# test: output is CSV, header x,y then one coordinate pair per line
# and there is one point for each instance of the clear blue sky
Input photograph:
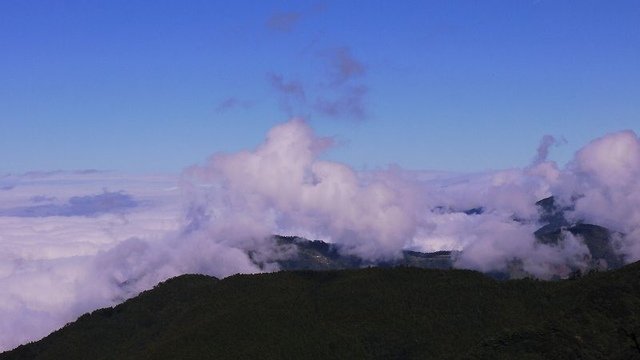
x,y
450,85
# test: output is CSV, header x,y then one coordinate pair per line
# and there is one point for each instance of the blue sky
x,y
145,86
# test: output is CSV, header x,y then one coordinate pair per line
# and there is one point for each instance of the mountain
x,y
598,239
303,254
371,313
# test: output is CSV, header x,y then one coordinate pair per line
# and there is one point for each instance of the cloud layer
x,y
72,242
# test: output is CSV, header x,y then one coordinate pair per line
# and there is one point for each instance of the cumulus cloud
x,y
611,161
603,180
282,186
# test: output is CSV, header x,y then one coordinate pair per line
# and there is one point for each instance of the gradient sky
x,y
145,86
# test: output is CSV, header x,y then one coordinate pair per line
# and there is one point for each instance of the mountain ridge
x,y
304,254
370,313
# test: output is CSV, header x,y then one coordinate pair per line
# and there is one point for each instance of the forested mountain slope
x,y
375,313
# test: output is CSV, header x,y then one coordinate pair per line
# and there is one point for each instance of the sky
x,y
461,86
142,140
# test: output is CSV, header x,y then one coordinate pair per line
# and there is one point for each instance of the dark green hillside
x,y
372,313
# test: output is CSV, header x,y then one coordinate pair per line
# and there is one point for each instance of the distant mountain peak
x,y
598,239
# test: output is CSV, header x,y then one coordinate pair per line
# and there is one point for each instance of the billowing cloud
x,y
603,180
283,186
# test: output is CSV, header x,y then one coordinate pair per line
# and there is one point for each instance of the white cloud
x,y
53,268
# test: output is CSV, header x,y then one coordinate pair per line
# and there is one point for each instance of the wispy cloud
x,y
231,103
344,95
291,87
343,66
291,93
340,94
283,21
546,143
349,103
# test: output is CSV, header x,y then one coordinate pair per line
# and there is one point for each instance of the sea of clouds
x,y
74,242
